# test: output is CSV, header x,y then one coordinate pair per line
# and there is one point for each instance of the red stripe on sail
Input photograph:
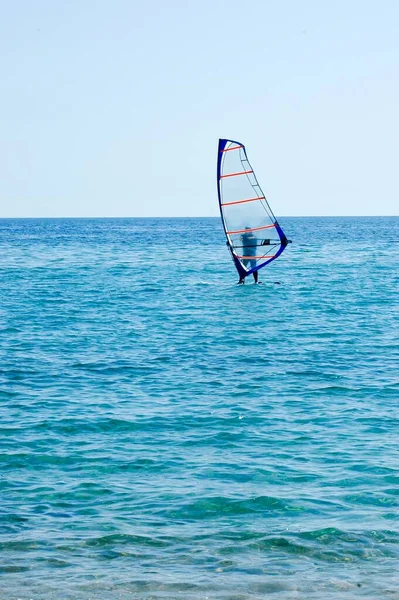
x,y
232,148
255,257
241,201
249,229
235,174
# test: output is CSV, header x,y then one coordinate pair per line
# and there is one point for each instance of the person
x,y
249,245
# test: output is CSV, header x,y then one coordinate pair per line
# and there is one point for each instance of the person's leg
x,y
242,279
256,276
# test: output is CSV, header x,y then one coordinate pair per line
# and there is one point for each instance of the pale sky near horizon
x,y
115,108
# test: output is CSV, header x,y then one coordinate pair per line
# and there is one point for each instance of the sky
x,y
114,109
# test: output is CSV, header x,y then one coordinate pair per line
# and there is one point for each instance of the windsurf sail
x,y
254,236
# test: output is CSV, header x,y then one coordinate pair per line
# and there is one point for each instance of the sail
x,y
253,234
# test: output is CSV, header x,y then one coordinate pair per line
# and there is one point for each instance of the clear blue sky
x,y
114,108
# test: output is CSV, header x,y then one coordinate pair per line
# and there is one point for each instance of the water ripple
x,y
168,434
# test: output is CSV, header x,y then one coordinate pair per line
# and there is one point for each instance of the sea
x,y
168,434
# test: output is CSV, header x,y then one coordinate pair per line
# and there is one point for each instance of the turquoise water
x,y
168,434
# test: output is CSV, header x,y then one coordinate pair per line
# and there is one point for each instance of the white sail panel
x,y
253,234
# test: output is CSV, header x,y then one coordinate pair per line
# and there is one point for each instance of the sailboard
x,y
254,236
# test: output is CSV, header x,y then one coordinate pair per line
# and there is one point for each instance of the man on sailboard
x,y
249,245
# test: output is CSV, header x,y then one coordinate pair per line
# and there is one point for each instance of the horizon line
x,y
204,217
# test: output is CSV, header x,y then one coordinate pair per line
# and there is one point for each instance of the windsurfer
x,y
249,243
